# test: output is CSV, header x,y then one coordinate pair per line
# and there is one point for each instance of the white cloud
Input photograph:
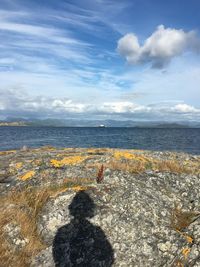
x,y
159,48
68,105
17,103
121,107
184,108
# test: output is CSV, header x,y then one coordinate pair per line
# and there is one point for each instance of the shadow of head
x,y
80,243
82,206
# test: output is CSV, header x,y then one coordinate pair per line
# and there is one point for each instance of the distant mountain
x,y
95,123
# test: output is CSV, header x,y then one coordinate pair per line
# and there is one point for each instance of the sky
x,y
100,59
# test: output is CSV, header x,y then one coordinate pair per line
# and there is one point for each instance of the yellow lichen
x,y
56,163
72,160
7,152
18,165
123,154
185,252
27,175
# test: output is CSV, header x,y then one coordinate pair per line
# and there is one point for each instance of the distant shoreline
x,y
99,123
136,127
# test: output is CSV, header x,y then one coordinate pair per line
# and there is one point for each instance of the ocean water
x,y
185,140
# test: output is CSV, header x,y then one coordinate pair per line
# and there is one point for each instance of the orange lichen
x,y
27,175
72,160
185,252
189,239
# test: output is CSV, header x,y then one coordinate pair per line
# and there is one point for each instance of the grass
x,y
181,219
138,163
22,207
136,166
172,166
131,167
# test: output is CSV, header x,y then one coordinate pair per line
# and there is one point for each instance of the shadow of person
x,y
80,243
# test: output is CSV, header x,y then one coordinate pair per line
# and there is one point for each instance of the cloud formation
x,y
158,49
17,103
68,57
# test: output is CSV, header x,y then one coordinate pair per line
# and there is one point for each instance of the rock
x,y
14,237
164,246
131,213
134,215
54,215
24,148
43,259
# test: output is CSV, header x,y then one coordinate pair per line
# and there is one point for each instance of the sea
x,y
157,139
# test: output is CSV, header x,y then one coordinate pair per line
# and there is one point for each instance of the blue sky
x,y
100,59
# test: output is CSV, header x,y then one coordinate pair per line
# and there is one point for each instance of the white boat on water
x,y
102,126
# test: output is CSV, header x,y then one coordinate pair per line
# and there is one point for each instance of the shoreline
x,y
49,147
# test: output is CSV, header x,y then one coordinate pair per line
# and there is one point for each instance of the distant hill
x,y
96,123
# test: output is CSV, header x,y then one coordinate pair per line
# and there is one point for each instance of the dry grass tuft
x,y
131,167
23,207
138,164
171,166
181,219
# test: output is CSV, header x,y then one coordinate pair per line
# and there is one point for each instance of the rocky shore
x,y
99,207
